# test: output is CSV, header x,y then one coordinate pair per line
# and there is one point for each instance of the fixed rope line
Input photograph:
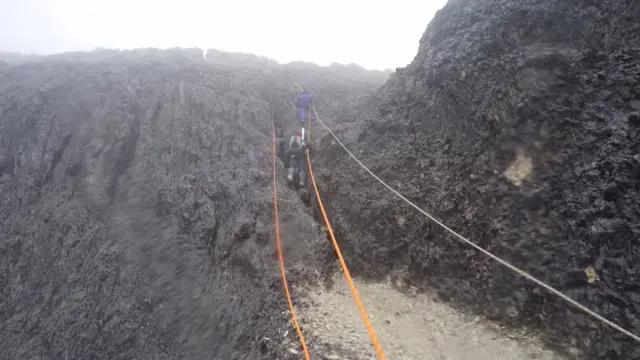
x,y
347,274
485,252
280,257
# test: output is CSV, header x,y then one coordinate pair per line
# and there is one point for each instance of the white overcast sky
x,y
375,34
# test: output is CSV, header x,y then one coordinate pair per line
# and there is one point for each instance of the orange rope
x,y
280,257
363,313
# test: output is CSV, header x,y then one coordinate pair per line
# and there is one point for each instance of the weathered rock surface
x,y
135,198
136,208
517,125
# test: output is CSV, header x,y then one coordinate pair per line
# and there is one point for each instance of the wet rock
x,y
634,119
7,164
131,186
610,193
245,227
559,93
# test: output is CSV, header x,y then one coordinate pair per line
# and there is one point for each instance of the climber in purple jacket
x,y
303,103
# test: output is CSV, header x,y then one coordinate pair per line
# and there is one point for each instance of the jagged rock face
x,y
335,88
136,210
239,60
516,125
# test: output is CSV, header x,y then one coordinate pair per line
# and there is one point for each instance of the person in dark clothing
x,y
281,143
295,160
304,102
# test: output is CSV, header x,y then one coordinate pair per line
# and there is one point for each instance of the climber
x,y
303,103
295,159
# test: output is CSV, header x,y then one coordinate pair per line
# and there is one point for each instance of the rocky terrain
x,y
136,206
417,326
517,124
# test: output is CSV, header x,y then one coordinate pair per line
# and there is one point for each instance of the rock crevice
x,y
136,206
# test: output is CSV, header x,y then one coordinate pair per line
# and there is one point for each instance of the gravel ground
x,y
410,327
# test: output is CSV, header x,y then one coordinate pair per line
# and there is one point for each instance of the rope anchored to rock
x,y
480,249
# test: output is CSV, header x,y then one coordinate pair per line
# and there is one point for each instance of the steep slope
x,y
517,125
136,208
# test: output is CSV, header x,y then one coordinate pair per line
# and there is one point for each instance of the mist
x,y
375,35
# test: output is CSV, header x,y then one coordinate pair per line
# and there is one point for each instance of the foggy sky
x,y
375,34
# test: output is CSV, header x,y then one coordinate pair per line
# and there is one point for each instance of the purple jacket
x,y
304,100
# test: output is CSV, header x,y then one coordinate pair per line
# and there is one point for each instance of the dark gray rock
x,y
136,208
511,127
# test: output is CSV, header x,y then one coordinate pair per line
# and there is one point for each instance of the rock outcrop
x,y
135,186
136,208
517,125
